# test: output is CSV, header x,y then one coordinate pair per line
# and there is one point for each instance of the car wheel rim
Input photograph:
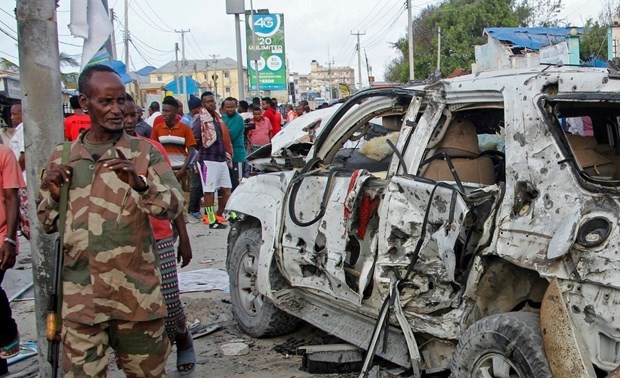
x,y
251,300
495,365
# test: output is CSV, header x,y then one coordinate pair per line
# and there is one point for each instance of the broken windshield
x,y
588,135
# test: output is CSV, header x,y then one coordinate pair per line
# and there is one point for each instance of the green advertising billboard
x,y
265,44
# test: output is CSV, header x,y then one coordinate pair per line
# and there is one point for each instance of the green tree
x,y
6,64
462,23
593,42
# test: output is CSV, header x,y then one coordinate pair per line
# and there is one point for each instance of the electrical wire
x,y
157,15
7,54
9,27
9,35
148,22
377,39
191,34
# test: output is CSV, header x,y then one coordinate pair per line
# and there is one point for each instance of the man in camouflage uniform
x,y
111,283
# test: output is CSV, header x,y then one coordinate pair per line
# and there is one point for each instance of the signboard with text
x,y
265,46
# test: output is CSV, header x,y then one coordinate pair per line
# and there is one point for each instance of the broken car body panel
x,y
472,227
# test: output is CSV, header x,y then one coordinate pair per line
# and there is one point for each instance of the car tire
x,y
503,345
256,315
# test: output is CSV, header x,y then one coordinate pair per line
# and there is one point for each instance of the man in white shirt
x,y
153,113
17,140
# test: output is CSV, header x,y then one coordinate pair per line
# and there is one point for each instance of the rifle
x,y
54,305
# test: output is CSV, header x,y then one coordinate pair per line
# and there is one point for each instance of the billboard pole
x,y
254,43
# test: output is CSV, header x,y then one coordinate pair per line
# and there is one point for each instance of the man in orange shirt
x,y
76,123
11,180
176,137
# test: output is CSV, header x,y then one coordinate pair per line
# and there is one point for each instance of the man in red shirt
x,y
76,123
274,117
165,238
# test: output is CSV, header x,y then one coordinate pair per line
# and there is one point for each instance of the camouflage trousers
x,y
141,347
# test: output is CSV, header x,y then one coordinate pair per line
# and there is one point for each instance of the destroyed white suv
x,y
484,242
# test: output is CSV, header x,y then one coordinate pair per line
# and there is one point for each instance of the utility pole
x,y
214,76
176,59
359,58
438,50
368,70
256,52
37,33
183,62
127,35
410,37
330,63
110,44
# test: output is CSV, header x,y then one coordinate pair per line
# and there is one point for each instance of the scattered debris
x,y
292,345
20,292
329,359
235,349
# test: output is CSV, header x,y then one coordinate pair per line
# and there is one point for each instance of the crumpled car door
x,y
428,233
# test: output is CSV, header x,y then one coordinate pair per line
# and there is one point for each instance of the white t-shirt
x,y
151,119
17,143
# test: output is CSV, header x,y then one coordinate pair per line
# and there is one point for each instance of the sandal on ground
x,y
11,350
186,357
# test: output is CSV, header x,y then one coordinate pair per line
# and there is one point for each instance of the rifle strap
x,y
64,195
62,220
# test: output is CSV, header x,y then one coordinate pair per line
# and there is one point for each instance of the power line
x,y
10,28
191,34
6,53
9,35
157,15
378,37
148,22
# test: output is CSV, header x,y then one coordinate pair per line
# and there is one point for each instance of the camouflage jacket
x,y
110,266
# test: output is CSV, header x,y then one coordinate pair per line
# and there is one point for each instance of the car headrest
x,y
460,140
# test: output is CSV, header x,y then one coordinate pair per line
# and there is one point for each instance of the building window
x,y
159,78
226,89
226,74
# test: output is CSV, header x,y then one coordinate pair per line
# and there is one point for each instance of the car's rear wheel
x,y
256,314
502,346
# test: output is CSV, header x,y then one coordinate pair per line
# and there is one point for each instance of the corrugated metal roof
x,y
531,38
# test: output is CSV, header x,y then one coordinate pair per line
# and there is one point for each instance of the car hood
x,y
291,145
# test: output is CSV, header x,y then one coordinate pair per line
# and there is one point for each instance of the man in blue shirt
x,y
234,121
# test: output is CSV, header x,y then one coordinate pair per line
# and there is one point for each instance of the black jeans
x,y
195,191
9,331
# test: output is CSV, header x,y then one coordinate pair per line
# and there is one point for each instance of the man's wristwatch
x,y
145,184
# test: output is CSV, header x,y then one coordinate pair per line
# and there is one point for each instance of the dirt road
x,y
209,247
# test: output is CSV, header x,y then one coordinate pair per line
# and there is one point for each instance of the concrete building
x,y
216,75
322,78
508,48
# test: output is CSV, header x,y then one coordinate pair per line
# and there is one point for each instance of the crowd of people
x,y
134,181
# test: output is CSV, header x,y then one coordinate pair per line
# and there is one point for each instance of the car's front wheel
x,y
256,315
502,346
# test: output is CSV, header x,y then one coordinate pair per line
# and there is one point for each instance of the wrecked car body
x,y
492,223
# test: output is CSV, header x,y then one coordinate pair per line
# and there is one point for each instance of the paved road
x,y
209,247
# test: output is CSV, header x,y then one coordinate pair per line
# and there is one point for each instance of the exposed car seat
x,y
460,143
590,160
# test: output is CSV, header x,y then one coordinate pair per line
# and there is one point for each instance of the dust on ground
x,y
267,358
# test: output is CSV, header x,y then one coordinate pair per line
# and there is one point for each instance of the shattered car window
x,y
589,132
